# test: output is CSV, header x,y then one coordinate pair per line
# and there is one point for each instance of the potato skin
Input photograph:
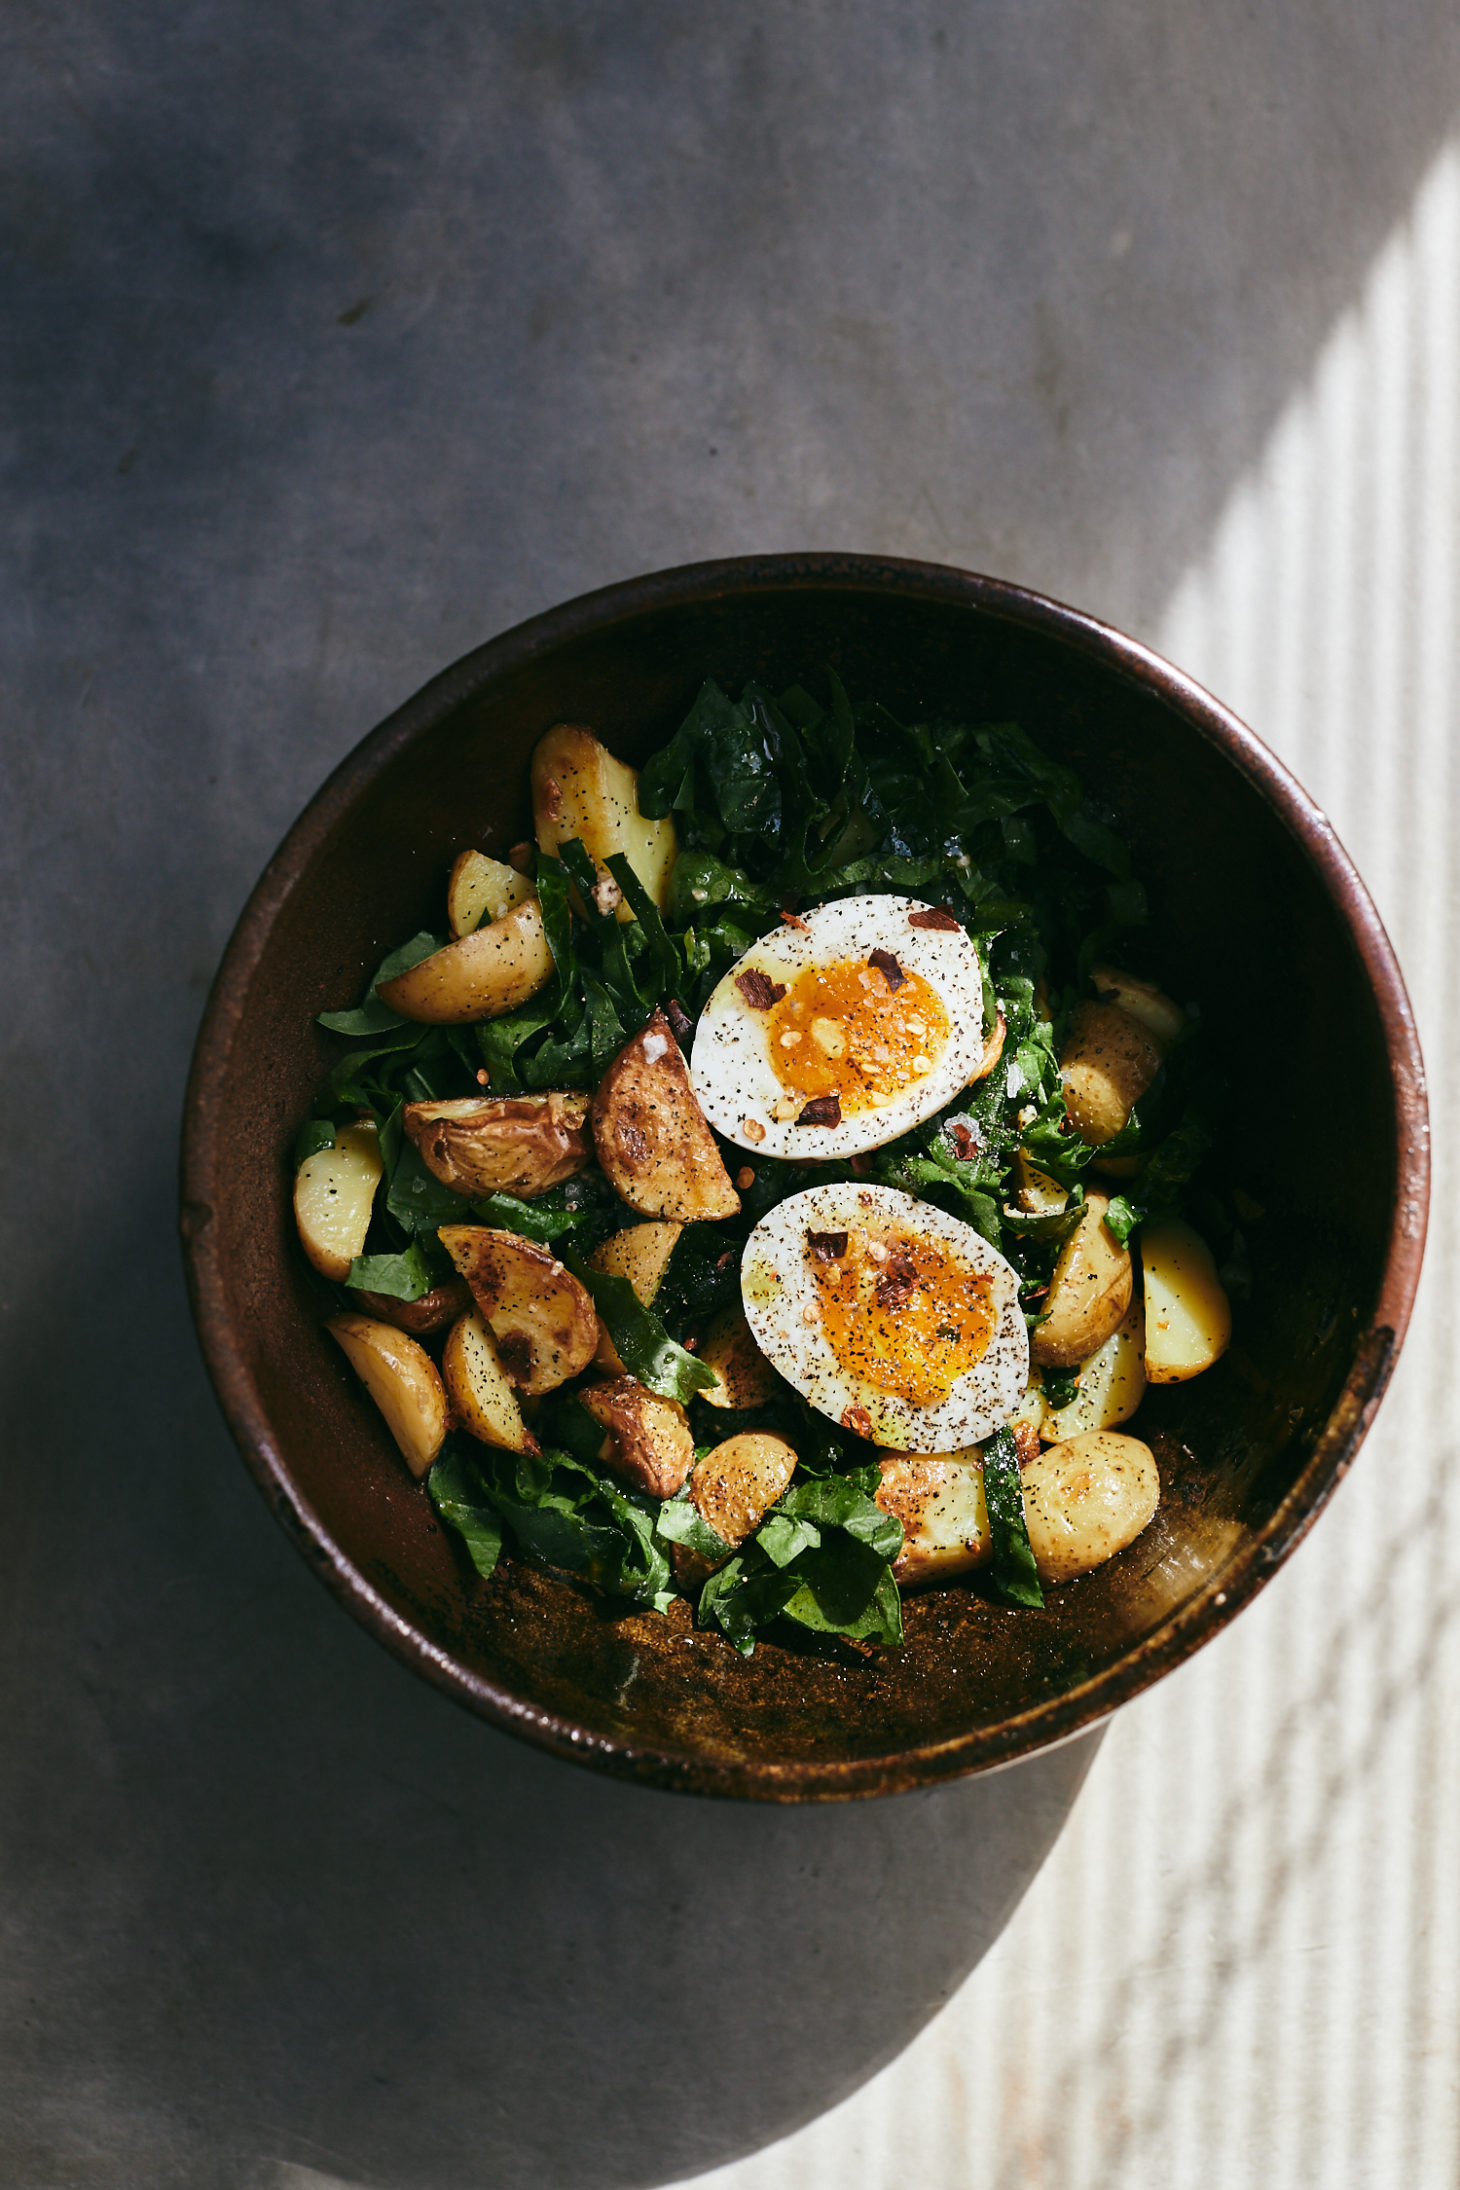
x,y
1086,1499
1089,1293
652,1140
479,977
579,789
1188,1315
402,1379
1141,1000
501,1144
939,1499
434,1311
541,1317
648,1439
1108,1061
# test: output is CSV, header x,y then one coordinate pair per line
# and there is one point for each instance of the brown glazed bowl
x,y
1255,910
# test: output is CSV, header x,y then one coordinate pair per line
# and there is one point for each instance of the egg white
x,y
777,1284
730,1064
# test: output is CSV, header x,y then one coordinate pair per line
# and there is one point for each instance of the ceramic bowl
x,y
1254,909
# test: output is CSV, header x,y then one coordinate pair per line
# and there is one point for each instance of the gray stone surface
x,y
335,339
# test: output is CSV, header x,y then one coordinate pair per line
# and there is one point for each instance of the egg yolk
x,y
846,1030
902,1313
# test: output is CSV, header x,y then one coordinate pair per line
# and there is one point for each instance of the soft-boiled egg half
x,y
895,1319
843,1028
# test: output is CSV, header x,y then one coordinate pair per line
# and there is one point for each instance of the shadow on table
x,y
289,1906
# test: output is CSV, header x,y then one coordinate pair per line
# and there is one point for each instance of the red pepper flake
x,y
794,920
674,1012
896,1280
888,967
723,1262
965,1140
857,1420
827,1246
759,990
935,916
822,1110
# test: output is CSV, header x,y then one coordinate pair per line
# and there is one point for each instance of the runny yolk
x,y
903,1313
845,1030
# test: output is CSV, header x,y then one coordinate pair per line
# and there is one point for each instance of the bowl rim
x,y
1251,1565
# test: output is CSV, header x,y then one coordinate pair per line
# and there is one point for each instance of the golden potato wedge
x,y
483,1400
1086,1499
1141,1000
541,1317
1037,1192
401,1378
746,1378
738,1481
1112,1384
580,790
1188,1315
641,1254
733,1488
939,1499
502,1144
1108,1061
651,1135
481,888
434,1311
479,977
334,1193
648,1440
1089,1293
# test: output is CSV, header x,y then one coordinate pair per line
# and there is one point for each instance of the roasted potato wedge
x,y
939,1499
1188,1315
502,1144
541,1317
1112,1385
480,889
641,1254
1089,1293
651,1135
746,1377
334,1193
580,790
1086,1499
401,1378
648,1440
733,1488
1108,1061
477,1387
434,1311
1141,1000
479,977
1038,1193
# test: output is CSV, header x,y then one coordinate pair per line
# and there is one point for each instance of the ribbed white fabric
x,y
1241,1966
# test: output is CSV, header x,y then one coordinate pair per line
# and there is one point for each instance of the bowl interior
x,y
1241,918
